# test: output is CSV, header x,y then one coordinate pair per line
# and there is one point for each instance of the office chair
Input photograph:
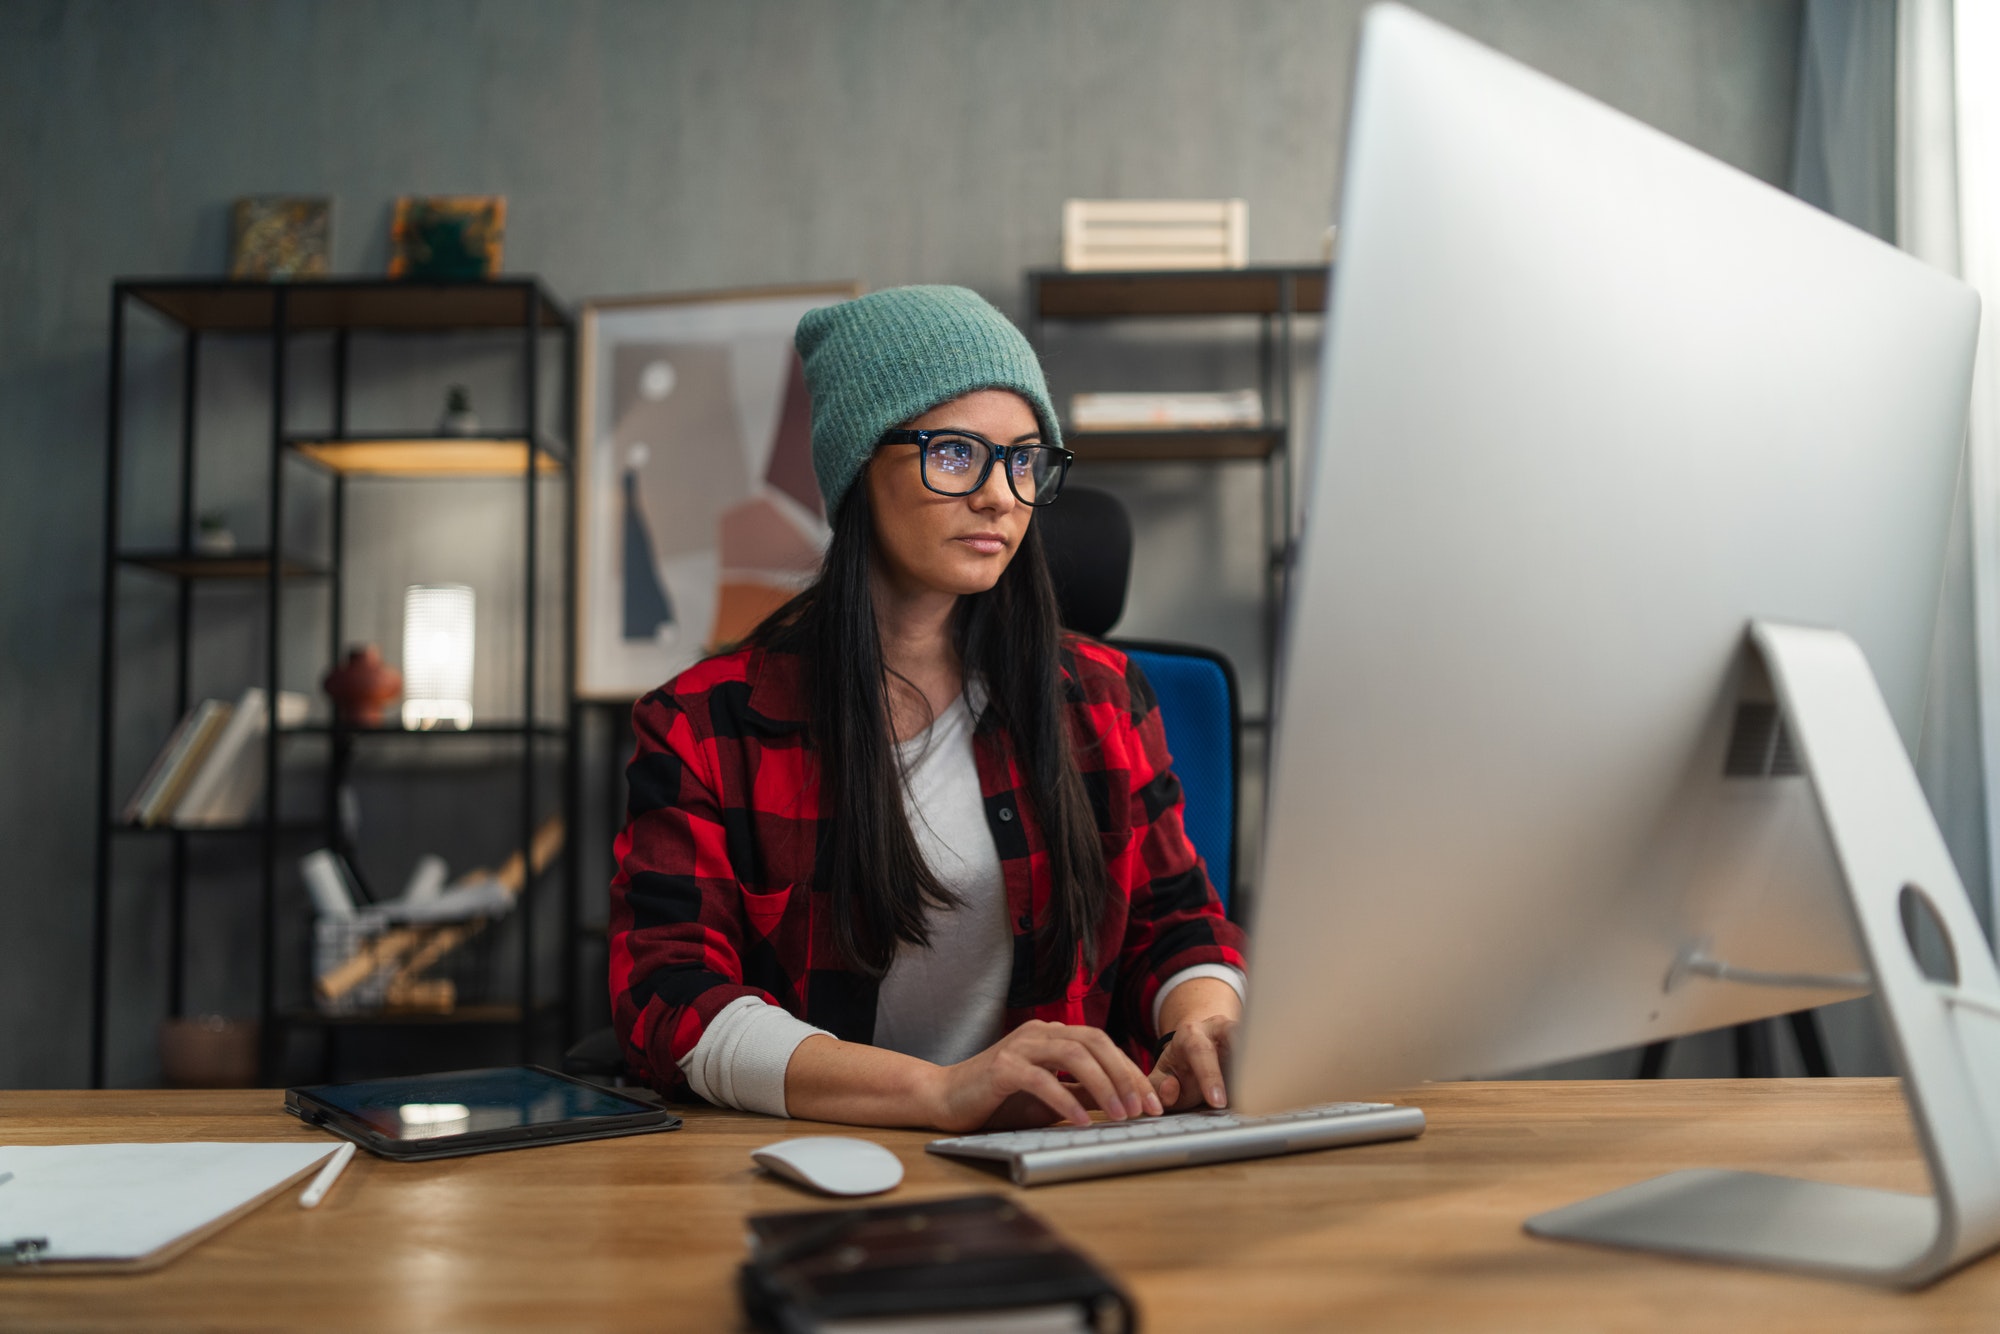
x,y
1087,540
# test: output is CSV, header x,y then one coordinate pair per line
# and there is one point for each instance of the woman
x,y
913,856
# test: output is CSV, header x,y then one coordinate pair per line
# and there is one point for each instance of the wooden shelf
x,y
1173,446
547,730
421,456
465,1016
236,565
221,306
283,827
1063,295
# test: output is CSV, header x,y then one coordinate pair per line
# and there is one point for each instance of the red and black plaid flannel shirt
x,y
715,895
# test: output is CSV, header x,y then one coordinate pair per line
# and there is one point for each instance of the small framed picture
x,y
281,237
456,238
698,513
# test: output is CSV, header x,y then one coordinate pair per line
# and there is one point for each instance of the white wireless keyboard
x,y
1065,1153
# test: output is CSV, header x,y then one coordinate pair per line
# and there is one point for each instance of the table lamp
x,y
437,656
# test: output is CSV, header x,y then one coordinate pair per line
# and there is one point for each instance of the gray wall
x,y
655,147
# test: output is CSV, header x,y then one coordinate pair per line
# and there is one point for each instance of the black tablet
x,y
473,1111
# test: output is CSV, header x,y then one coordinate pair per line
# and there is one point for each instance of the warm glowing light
x,y
437,656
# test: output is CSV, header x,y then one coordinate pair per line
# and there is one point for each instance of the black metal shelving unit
x,y
1276,295
199,310
603,731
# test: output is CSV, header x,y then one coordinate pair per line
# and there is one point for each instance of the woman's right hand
x,y
1013,1083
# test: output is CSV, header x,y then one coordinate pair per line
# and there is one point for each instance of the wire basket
x,y
367,965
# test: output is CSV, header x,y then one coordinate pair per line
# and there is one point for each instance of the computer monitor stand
x,y
1943,1023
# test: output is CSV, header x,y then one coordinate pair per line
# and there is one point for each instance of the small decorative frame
x,y
458,238
280,237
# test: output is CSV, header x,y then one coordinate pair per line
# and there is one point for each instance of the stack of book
x,y
1239,408
211,771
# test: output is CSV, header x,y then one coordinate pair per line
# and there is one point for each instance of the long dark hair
x,y
1009,639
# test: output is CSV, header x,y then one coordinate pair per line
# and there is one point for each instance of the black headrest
x,y
1087,538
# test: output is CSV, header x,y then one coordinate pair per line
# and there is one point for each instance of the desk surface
x,y
646,1233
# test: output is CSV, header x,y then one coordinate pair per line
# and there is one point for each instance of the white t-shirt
x,y
945,1003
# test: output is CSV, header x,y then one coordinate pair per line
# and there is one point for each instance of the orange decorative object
x,y
362,686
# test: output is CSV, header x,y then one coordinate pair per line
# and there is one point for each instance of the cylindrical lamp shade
x,y
437,656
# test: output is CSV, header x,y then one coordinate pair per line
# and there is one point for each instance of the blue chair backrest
x,y
1197,694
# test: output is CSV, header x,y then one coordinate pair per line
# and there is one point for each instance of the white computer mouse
x,y
833,1163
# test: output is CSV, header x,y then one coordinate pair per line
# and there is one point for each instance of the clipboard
x,y
132,1208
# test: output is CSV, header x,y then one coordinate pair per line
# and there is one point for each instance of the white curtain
x,y
1975,63
1947,213
1897,133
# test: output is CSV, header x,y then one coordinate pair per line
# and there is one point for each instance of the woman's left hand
x,y
1189,1072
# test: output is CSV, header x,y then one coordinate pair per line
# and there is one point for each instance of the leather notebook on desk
x,y
975,1262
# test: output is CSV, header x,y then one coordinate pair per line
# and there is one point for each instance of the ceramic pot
x,y
362,686
208,1051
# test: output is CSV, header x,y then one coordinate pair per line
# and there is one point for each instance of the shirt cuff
x,y
741,1057
1221,972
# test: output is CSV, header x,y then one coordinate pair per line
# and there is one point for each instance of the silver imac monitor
x,y
1593,406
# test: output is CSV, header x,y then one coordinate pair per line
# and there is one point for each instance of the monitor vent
x,y
1784,760
1760,746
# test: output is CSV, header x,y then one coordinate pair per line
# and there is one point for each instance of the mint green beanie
x,y
878,361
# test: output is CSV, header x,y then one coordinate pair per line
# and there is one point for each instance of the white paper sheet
x,y
111,1202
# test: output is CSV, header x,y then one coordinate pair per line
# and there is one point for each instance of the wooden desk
x,y
646,1233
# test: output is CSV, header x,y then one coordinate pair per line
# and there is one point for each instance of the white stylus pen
x,y
329,1174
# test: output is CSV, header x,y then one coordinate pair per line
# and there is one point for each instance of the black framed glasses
x,y
957,463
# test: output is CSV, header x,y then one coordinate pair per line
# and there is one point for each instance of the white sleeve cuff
x,y
741,1058
1221,972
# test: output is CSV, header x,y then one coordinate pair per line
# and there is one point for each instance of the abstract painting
x,y
455,238
698,513
280,237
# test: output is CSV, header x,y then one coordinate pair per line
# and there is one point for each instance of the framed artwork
x,y
280,236
452,237
697,511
